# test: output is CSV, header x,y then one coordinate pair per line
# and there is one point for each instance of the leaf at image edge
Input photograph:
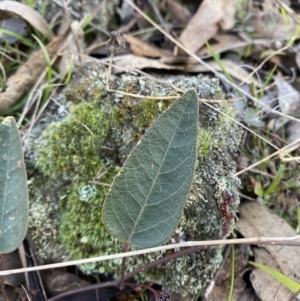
x,y
13,188
145,202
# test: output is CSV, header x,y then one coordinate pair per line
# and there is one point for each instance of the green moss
x,y
140,115
97,93
147,111
205,142
71,148
90,238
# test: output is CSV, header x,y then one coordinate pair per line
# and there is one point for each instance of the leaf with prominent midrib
x,y
13,188
146,199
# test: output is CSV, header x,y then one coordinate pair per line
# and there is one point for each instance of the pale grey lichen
x,y
85,193
116,122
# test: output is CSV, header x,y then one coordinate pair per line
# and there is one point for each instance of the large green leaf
x,y
13,188
146,199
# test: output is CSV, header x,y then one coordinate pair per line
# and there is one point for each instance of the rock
x,y
74,158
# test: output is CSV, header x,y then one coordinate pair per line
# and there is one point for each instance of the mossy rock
x,y
81,154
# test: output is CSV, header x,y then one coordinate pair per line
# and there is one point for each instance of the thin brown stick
x,y
112,54
2,280
114,43
124,249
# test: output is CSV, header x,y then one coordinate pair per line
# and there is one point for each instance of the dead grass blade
x,y
30,15
20,82
142,48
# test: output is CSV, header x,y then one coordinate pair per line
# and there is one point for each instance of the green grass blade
x,y
286,281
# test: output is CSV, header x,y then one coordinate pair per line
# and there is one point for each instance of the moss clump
x,y
91,238
95,140
71,148
141,115
205,141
